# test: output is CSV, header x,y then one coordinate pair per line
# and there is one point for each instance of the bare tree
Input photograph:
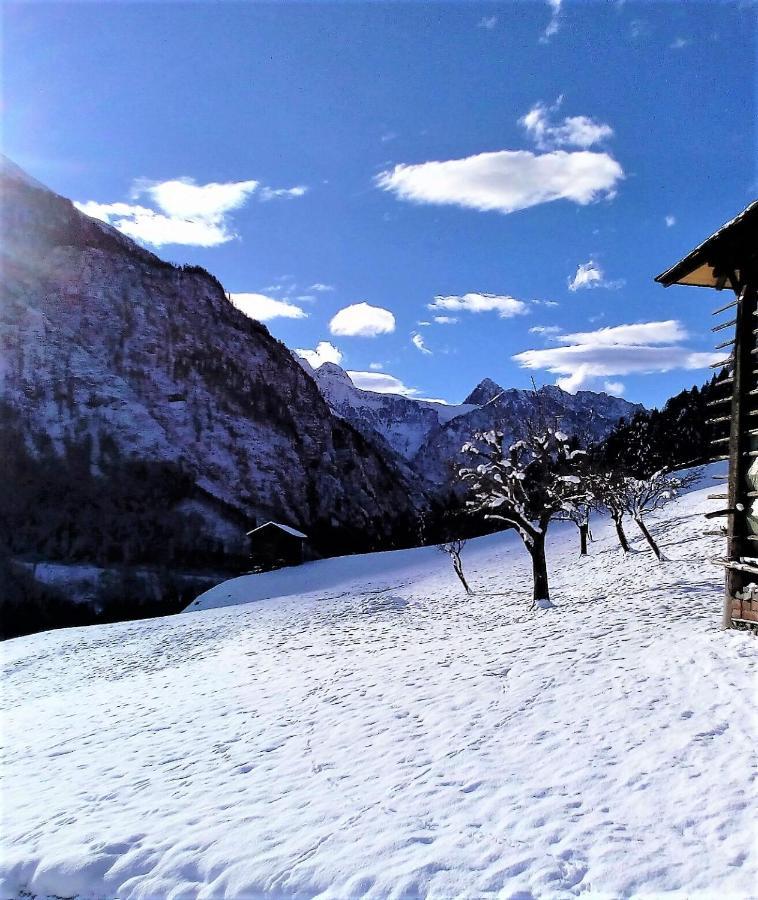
x,y
579,514
609,492
525,485
643,496
454,549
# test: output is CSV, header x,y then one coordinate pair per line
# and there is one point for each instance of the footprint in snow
x,y
385,604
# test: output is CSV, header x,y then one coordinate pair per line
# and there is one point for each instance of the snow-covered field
x,y
385,736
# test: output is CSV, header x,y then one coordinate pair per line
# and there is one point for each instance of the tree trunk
x,y
583,531
541,592
649,538
621,535
458,566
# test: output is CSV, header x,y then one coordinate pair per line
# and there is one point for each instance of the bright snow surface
x,y
385,736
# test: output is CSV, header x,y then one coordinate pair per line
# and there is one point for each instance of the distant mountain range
x,y
110,352
426,437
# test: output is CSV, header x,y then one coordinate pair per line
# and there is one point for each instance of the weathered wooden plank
x,y
739,445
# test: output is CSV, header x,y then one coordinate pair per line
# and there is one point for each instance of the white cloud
x,y
362,320
572,131
641,348
381,383
150,227
263,308
670,221
506,180
182,198
487,22
545,329
667,332
187,213
591,275
320,288
324,352
616,388
268,193
506,307
446,320
376,367
679,42
418,343
554,24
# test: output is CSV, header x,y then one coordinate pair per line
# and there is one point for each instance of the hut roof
x,y
711,263
293,532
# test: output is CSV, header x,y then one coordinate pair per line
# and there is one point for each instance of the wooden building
x,y
728,260
274,545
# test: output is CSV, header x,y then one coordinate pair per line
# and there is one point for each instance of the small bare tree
x,y
454,549
525,485
609,492
579,514
643,496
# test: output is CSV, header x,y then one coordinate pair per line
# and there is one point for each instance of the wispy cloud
x,y
381,383
679,43
506,180
264,309
321,288
487,22
545,329
553,26
670,221
324,352
506,307
591,275
181,211
418,342
362,320
446,320
268,193
571,131
641,348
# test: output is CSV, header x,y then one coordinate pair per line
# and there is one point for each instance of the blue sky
x,y
525,169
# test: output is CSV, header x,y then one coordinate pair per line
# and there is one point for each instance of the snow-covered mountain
x,y
429,435
103,342
402,423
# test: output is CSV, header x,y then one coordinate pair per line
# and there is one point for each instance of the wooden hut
x,y
274,545
728,260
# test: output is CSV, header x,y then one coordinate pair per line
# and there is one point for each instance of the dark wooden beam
x,y
739,446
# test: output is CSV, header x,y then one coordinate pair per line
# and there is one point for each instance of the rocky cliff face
x,y
400,423
102,340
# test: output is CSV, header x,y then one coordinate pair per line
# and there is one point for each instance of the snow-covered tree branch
x,y
525,485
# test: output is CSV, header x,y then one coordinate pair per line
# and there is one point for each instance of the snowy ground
x,y
386,737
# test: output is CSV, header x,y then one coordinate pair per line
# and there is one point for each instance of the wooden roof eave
x,y
712,263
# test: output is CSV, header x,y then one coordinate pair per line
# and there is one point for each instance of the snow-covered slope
x,y
429,435
102,341
384,736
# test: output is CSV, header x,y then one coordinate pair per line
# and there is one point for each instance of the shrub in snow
x,y
525,485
